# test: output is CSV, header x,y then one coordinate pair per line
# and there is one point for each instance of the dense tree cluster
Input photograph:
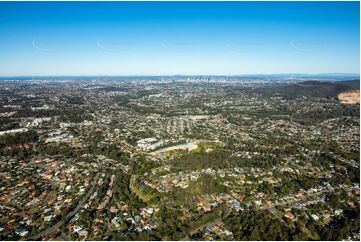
x,y
261,225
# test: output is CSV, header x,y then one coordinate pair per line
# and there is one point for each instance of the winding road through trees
x,y
55,228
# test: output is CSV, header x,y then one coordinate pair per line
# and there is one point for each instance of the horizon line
x,y
174,75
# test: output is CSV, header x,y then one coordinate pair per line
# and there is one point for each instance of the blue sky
x,y
167,38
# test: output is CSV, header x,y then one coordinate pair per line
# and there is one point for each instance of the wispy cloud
x,y
114,47
178,46
238,46
36,46
299,47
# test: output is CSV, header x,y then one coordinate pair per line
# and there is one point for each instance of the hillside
x,y
318,89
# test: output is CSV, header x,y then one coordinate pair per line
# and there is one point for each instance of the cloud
x,y
178,46
242,46
299,48
114,47
36,46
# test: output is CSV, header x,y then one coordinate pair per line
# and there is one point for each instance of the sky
x,y
174,38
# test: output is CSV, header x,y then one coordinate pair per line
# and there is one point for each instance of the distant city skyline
x,y
178,38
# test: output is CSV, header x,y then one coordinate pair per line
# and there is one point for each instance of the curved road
x,y
54,229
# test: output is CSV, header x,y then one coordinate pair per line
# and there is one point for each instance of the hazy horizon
x,y
195,75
